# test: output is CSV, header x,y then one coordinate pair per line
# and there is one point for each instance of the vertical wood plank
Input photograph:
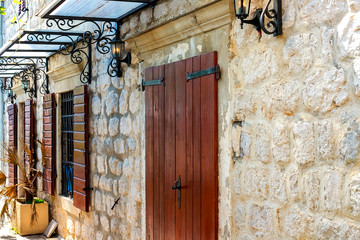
x,y
161,91
209,149
170,145
197,149
156,157
49,137
180,81
189,185
149,144
12,124
81,164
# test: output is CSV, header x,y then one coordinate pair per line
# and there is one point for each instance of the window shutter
x,y
12,112
49,137
29,129
81,149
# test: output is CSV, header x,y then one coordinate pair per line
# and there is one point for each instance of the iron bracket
x,y
205,72
152,83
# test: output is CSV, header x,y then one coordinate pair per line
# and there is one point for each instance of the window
x,y
67,144
22,8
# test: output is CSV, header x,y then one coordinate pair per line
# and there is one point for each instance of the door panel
x,y
181,140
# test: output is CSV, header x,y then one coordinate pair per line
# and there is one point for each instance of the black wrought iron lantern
x,y
119,55
264,20
11,96
26,76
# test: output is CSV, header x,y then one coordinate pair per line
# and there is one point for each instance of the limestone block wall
x,y
289,130
295,125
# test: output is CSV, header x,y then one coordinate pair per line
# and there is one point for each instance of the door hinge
x,y
205,72
152,83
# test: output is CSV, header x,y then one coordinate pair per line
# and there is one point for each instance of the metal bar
x,y
57,33
152,83
31,50
43,42
205,72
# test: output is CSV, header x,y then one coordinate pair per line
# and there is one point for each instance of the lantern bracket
x,y
265,20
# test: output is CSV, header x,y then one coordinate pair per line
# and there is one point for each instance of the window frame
x,y
68,151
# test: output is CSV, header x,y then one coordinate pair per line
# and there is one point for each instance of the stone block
x,y
349,146
278,187
146,16
105,223
353,195
96,105
349,35
304,142
319,12
101,164
323,96
311,189
113,162
262,144
342,230
161,10
135,101
332,192
126,125
245,144
112,103
114,126
119,146
256,180
292,178
280,144
123,102
299,52
326,141
260,220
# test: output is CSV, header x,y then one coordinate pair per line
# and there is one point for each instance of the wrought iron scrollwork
x,y
273,25
101,36
114,68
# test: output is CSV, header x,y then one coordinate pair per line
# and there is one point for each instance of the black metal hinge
x,y
152,83
205,72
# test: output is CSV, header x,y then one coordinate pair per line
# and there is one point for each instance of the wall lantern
x,y
272,26
25,77
11,96
119,55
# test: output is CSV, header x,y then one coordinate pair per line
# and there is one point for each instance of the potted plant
x,y
29,214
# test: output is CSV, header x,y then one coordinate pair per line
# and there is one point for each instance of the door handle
x,y
177,186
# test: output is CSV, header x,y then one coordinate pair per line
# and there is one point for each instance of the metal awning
x,y
93,10
34,47
38,43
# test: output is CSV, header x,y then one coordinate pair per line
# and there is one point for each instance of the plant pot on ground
x,y
29,214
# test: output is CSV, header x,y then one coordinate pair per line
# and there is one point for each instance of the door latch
x,y
178,187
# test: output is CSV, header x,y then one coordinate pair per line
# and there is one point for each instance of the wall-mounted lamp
x,y
11,96
6,84
119,55
271,26
26,76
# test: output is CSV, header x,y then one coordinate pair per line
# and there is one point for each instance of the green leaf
x,y
17,1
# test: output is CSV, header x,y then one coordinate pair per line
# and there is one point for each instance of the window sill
x,y
67,204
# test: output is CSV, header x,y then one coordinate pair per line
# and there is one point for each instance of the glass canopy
x,y
38,44
95,10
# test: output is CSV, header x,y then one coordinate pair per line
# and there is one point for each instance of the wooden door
x,y
181,140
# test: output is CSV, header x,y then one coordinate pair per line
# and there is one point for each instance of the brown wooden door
x,y
181,140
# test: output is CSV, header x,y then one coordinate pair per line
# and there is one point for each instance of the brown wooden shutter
x,y
12,124
29,129
181,140
49,137
81,149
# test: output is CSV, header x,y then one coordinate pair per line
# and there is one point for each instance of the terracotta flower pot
x,y
24,226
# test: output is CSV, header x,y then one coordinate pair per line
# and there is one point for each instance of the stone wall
x,y
295,136
289,128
